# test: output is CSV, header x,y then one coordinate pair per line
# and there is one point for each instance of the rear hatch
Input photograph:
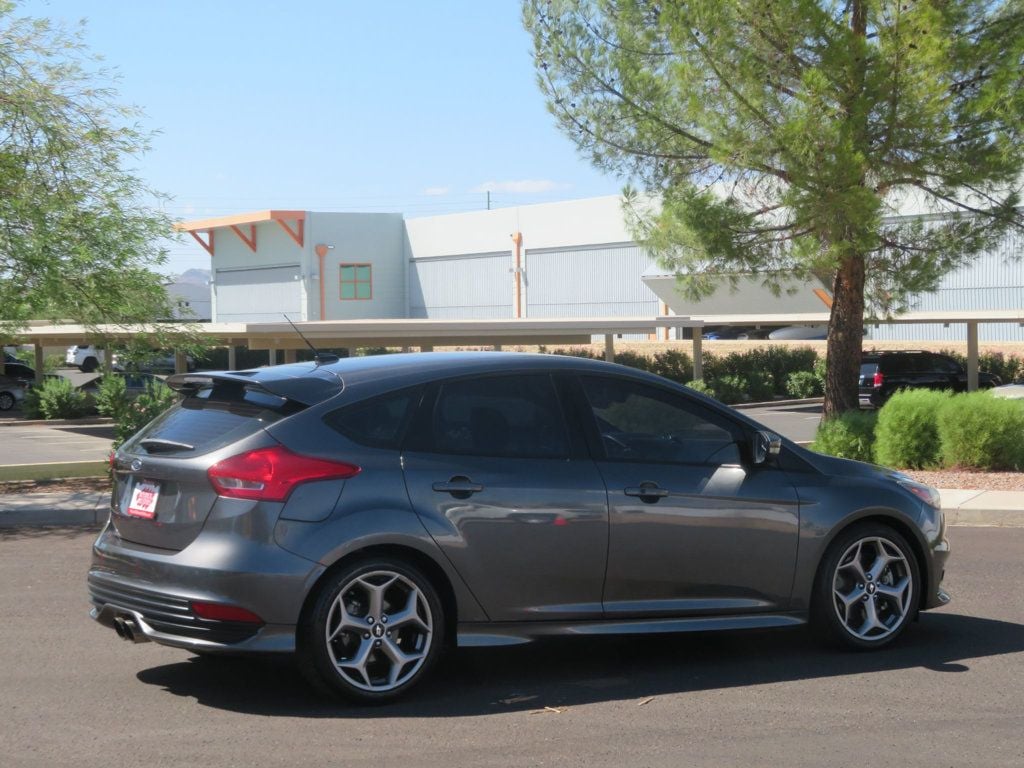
x,y
867,374
162,495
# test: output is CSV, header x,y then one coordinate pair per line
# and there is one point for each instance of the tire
x,y
867,589
89,365
375,630
7,401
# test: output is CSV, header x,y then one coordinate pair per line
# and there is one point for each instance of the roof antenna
x,y
320,358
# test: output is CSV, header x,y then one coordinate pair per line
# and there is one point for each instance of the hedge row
x,y
919,429
754,376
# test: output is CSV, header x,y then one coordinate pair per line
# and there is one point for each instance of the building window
x,y
356,282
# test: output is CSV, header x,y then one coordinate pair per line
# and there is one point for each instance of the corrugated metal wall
x,y
594,281
995,280
475,286
244,295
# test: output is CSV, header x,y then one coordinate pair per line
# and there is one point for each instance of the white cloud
x,y
520,186
437,191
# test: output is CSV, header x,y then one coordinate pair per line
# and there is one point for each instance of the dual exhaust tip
x,y
127,629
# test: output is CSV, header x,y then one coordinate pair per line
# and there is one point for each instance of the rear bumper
x,y
153,590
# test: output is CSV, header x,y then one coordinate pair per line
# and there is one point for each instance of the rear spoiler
x,y
311,386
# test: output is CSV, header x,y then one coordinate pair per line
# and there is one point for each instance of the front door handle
x,y
647,492
460,487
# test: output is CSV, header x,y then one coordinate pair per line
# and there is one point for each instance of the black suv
x,y
882,373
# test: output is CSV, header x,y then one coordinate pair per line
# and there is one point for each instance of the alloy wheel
x,y
379,631
872,588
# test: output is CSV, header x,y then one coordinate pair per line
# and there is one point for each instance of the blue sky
x,y
415,107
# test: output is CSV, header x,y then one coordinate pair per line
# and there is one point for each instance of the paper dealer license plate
x,y
143,501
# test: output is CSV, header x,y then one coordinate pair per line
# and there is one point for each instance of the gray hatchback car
x,y
365,513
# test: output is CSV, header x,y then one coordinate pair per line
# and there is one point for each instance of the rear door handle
x,y
649,492
459,486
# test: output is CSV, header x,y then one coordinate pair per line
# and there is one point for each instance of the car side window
x,y
946,364
643,423
512,417
379,422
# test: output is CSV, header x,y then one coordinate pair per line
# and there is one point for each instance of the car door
x,y
510,494
694,529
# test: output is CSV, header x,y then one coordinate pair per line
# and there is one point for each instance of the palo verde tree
x,y
79,236
773,137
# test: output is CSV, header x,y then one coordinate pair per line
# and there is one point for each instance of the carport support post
x,y
609,347
271,356
289,355
108,360
37,348
180,361
232,358
972,355
698,355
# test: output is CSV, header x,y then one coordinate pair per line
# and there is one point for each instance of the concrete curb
x,y
779,403
86,422
999,509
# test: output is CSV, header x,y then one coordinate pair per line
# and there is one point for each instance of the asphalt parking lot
x,y
950,694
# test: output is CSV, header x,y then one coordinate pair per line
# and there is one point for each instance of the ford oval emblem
x,y
136,465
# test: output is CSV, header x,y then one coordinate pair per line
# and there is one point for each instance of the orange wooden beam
x,y
207,244
297,234
825,298
250,240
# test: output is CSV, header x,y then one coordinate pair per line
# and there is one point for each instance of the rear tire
x,y
7,401
867,589
89,365
375,630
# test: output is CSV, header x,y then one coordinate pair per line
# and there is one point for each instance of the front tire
x,y
89,365
868,588
375,630
7,401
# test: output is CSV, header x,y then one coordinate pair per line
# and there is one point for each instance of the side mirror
x,y
765,444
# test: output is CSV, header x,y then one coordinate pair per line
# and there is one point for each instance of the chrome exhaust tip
x,y
127,629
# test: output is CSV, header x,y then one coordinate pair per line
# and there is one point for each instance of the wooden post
x,y
698,359
609,347
37,347
232,358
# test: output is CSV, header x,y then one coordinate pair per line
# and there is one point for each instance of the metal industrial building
x,y
572,259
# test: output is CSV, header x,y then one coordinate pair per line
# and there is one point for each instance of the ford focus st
x,y
364,514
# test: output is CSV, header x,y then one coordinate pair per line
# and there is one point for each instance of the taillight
x,y
879,378
269,474
222,612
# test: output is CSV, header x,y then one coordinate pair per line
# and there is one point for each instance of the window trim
x,y
355,282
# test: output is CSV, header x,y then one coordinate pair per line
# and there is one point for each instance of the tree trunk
x,y
845,334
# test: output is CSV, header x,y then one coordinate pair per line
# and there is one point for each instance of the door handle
x,y
647,492
459,486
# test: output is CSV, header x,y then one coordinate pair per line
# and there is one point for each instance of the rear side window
x,y
502,416
377,423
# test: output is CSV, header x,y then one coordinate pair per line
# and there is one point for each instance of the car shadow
x,y
569,672
104,431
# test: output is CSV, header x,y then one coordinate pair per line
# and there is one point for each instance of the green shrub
x,y
673,364
575,352
634,360
112,397
157,398
699,385
850,435
760,386
803,384
983,432
30,404
730,389
57,399
907,433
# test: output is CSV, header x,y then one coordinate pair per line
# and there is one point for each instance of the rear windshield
x,y
868,369
204,423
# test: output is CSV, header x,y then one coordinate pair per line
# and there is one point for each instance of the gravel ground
x,y
980,481
970,481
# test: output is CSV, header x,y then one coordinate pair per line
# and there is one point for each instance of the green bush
x,y
157,398
907,433
56,399
30,404
730,389
634,360
850,435
760,387
803,384
983,432
673,364
699,385
112,397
